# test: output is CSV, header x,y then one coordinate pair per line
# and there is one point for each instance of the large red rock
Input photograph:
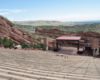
x,y
86,36
9,30
18,38
17,31
55,32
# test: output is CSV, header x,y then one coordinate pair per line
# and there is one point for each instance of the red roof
x,y
69,38
81,40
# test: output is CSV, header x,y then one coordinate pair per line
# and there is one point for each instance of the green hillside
x,y
70,27
95,27
42,23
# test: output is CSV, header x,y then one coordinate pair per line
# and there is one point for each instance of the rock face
x,y
55,32
8,29
89,34
86,36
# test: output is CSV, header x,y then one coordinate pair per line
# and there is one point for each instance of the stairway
x,y
14,72
36,65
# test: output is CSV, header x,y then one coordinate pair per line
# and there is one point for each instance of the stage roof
x,y
69,38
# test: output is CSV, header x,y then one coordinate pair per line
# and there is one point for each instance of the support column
x,y
78,47
57,45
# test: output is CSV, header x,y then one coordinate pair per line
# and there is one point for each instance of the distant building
x,y
51,43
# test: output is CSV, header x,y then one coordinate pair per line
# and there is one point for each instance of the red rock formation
x,y
86,36
17,31
9,30
55,32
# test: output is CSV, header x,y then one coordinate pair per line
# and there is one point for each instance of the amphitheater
x,y
43,65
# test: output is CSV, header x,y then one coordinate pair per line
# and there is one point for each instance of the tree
x,y
35,45
11,25
31,44
24,44
38,45
6,42
43,46
1,41
11,43
39,39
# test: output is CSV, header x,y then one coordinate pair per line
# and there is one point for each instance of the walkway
x,y
68,50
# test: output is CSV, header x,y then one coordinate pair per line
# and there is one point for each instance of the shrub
x,y
6,42
55,37
1,41
27,45
11,43
39,39
38,45
43,46
15,47
35,45
33,36
24,44
11,25
31,45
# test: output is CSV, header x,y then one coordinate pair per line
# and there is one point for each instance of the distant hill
x,y
88,22
95,27
43,23
65,26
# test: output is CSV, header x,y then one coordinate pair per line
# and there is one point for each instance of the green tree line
x,y
8,43
31,45
5,42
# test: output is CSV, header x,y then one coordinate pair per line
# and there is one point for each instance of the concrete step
x,y
30,70
41,74
3,79
13,77
30,76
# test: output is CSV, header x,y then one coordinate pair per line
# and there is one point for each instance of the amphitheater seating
x,y
42,65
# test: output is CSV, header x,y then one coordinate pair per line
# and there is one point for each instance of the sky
x,y
59,10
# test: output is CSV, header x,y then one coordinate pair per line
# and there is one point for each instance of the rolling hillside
x,y
95,27
43,23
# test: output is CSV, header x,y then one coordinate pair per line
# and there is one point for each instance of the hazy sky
x,y
61,10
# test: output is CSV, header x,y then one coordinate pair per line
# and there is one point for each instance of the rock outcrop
x,y
86,36
89,34
8,29
55,32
